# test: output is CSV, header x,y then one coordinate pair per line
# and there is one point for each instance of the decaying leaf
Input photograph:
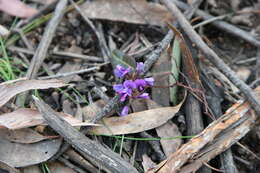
x,y
167,130
25,136
192,72
136,122
11,88
57,167
120,58
147,163
17,8
4,167
25,117
21,155
130,11
72,65
161,95
31,169
91,110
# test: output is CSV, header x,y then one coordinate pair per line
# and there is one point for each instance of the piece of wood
x,y
41,51
214,99
216,138
93,151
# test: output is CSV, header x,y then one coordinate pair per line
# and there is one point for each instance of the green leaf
x,y
175,61
119,58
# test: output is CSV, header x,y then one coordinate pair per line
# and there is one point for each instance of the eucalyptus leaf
x,y
175,61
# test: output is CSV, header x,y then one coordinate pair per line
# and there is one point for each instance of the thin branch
x,y
212,56
104,49
64,54
41,51
223,25
92,150
72,73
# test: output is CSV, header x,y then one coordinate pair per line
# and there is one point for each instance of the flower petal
x,y
140,67
17,8
124,111
123,97
144,96
149,81
121,71
129,84
118,87
140,83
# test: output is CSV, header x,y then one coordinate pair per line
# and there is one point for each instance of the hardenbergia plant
x,y
133,85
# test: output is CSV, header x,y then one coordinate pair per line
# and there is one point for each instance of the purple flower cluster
x,y
133,86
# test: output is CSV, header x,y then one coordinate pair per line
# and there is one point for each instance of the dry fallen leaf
x,y
31,169
57,167
21,155
163,65
130,11
147,163
25,117
6,168
17,8
91,110
24,136
167,130
11,88
136,122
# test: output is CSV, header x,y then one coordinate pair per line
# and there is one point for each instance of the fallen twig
x,y
42,11
255,83
101,40
76,55
73,73
47,37
93,151
223,25
212,56
77,158
168,38
213,140
214,99
71,165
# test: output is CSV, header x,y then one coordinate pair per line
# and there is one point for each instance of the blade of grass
x,y
6,67
121,145
146,139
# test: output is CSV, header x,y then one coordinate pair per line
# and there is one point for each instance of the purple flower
x,y
140,67
124,111
118,87
140,83
143,96
125,89
129,88
121,71
123,97
122,91
149,81
129,84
